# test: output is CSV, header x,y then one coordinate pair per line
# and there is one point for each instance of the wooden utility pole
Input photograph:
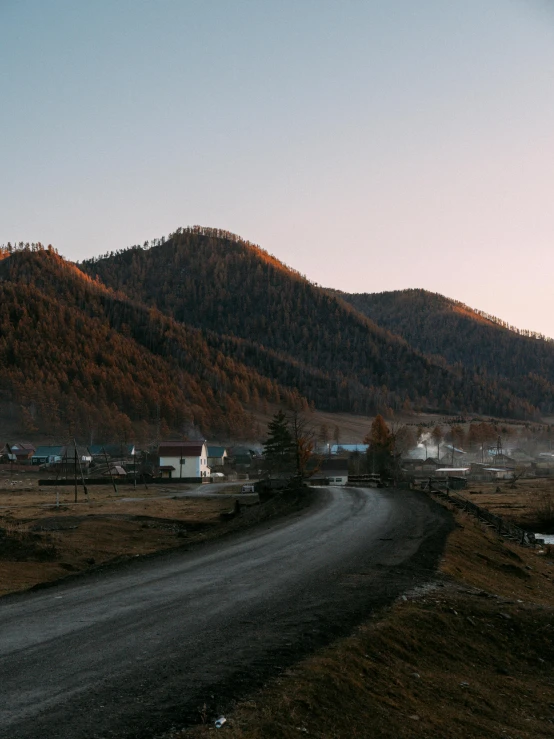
x,y
64,466
81,471
109,470
75,471
10,453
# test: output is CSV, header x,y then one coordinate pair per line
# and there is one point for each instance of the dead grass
x,y
352,428
522,504
471,657
40,542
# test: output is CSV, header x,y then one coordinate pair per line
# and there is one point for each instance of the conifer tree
x,y
279,450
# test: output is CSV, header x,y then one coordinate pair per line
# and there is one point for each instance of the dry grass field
x,y
530,503
352,428
41,541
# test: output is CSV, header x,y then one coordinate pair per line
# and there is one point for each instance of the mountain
x,y
199,329
276,322
77,358
438,326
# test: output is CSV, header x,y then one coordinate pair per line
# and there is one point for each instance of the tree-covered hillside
x,y
77,357
521,360
216,282
203,328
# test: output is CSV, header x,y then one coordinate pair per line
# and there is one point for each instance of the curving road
x,y
145,646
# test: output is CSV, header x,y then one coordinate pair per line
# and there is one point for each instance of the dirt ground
x,y
471,656
41,541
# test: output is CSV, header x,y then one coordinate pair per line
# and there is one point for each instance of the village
x,y
199,461
184,461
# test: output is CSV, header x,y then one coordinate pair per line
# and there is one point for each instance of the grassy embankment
x,y
471,656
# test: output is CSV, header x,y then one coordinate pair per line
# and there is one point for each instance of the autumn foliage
x,y
516,361
76,357
279,324
202,328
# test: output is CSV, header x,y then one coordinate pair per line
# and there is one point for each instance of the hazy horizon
x,y
370,146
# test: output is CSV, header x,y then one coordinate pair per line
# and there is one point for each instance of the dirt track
x,y
158,643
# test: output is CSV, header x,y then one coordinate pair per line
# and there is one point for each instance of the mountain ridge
x,y
233,288
463,336
200,328
76,353
455,305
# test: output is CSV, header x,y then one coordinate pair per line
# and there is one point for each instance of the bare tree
x,y
404,437
323,436
437,436
303,437
336,435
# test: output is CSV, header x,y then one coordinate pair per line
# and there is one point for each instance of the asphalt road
x,y
145,646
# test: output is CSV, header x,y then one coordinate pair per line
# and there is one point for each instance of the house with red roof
x,y
184,460
20,452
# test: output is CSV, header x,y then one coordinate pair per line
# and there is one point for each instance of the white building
x,y
452,471
216,455
336,470
499,473
184,460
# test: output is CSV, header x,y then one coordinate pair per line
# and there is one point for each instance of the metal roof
x,y
336,448
181,449
49,451
22,446
114,450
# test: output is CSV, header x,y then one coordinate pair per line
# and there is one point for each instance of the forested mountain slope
x,y
465,337
77,358
216,282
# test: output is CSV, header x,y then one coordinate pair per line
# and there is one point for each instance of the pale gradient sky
x,y
370,145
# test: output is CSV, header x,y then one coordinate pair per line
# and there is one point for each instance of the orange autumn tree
x,y
303,437
380,451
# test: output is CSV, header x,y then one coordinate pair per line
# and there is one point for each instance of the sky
x,y
369,144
